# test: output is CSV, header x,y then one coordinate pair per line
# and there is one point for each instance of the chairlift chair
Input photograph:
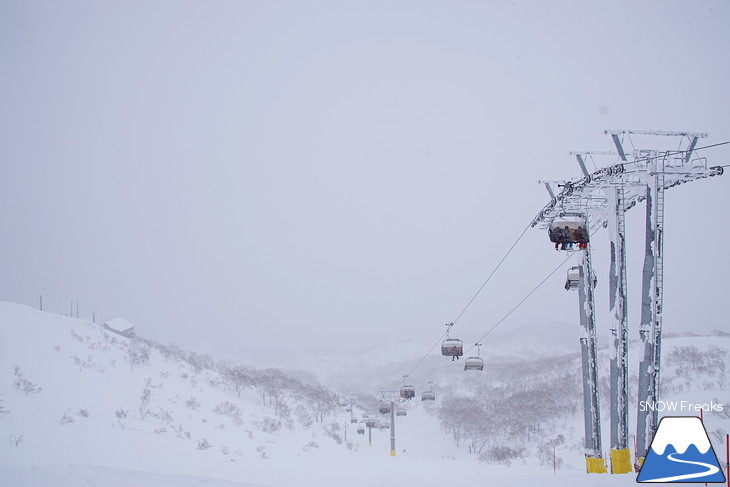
x,y
452,347
384,407
567,230
407,392
573,279
475,362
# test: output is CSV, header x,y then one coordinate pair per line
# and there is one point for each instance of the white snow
x,y
63,381
681,432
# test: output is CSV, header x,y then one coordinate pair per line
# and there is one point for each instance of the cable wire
x,y
514,308
468,304
499,264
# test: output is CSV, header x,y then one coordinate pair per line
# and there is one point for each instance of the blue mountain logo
x,y
681,452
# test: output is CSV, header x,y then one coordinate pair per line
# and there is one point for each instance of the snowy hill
x,y
76,394
80,405
530,392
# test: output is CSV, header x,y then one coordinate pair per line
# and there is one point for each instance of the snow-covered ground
x,y
81,406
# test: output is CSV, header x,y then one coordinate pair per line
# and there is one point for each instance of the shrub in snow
x,y
192,403
16,440
203,444
270,425
83,413
145,397
227,409
503,455
67,418
261,449
333,431
87,363
305,419
2,408
162,415
121,414
138,353
546,451
78,337
23,384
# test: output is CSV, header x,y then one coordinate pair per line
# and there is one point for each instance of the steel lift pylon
x,y
604,196
589,357
618,369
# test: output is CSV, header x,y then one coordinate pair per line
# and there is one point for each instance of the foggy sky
x,y
251,178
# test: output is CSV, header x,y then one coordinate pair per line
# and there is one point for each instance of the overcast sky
x,y
269,176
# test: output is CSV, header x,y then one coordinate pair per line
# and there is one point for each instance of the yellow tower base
x,y
595,465
392,453
621,461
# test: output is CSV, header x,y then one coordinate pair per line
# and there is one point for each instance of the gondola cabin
x,y
401,411
428,396
371,423
384,408
568,229
360,430
353,420
452,347
474,363
407,392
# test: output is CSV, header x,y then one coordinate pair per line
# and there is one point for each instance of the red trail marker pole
x,y
727,458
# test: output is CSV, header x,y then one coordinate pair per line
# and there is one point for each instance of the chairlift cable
x,y
510,311
493,271
499,264
570,255
421,360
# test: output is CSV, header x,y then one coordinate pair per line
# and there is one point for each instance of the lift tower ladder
x,y
650,330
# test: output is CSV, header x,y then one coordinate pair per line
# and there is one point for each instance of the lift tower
x,y
603,197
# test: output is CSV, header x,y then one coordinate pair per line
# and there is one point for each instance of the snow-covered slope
x,y
80,405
